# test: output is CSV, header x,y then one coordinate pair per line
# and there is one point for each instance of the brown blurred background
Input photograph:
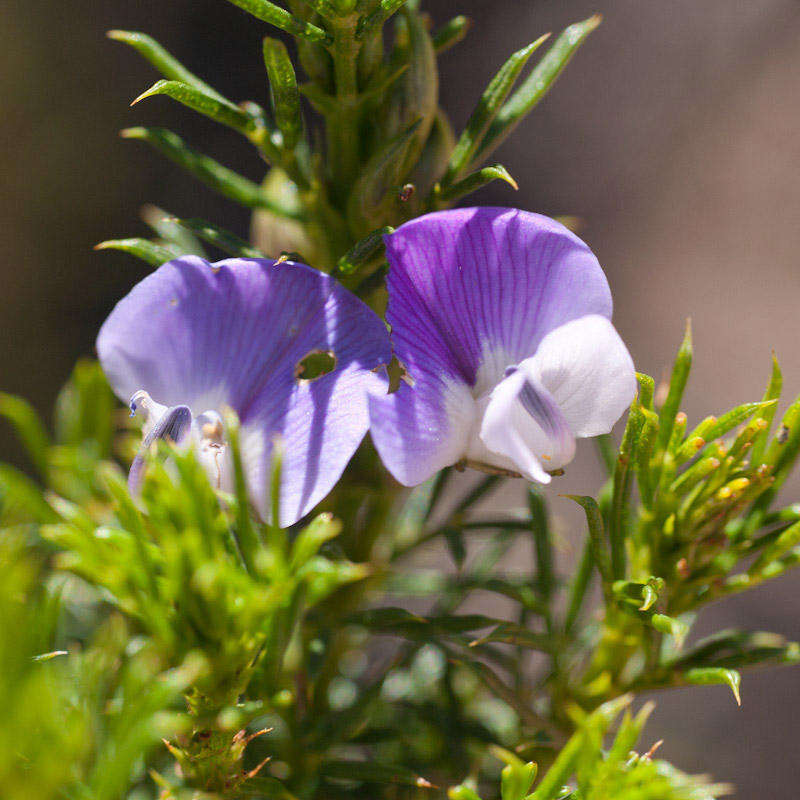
x,y
674,135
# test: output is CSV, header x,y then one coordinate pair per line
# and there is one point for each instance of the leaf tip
x,y
154,89
594,21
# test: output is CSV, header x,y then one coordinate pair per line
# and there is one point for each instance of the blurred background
x,y
674,135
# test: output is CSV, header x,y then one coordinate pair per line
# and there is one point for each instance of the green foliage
x,y
178,646
288,663
388,154
78,721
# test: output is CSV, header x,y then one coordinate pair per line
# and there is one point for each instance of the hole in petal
x,y
314,365
397,372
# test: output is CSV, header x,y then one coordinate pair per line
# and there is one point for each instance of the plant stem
x,y
343,126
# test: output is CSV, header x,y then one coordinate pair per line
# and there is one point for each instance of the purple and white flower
x,y
502,321
194,337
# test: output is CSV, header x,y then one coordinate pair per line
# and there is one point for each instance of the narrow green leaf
x,y
130,517
322,102
285,97
783,447
680,375
640,595
773,392
511,633
150,252
415,96
222,111
380,84
404,623
210,172
363,251
607,451
164,225
779,547
477,180
543,545
384,10
647,387
479,491
487,109
244,531
21,500
379,177
628,734
84,409
221,238
29,428
678,433
462,792
694,475
552,783
707,676
669,625
713,428
517,777
454,538
734,648
536,85
327,8
163,61
619,516
644,452
280,18
321,529
579,585
597,540
372,772
451,33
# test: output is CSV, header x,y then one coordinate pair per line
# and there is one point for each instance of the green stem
x,y
343,126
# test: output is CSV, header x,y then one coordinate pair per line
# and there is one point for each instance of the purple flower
x,y
193,338
502,320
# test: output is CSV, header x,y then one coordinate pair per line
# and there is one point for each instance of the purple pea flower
x,y
502,321
194,337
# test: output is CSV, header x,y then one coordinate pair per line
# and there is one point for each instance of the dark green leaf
x,y
773,392
384,10
597,540
669,625
174,236
619,517
21,500
579,585
222,111
285,97
379,177
543,545
713,428
486,111
477,180
150,252
29,428
210,172
280,18
451,33
163,61
511,633
308,542
221,238
372,772
363,251
536,85
680,375
706,676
